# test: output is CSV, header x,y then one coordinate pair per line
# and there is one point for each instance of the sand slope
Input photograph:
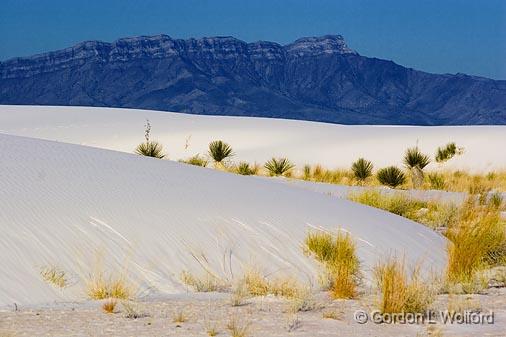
x,y
255,139
61,203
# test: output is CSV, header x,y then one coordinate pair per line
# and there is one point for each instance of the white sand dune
x,y
255,139
61,203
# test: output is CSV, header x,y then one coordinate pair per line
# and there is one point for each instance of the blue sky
x,y
445,36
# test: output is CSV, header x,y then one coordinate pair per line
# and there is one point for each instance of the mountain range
x,y
313,78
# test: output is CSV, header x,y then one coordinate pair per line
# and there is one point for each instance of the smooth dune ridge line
x,y
255,139
60,203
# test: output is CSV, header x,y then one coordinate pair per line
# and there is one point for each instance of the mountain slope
x,y
317,79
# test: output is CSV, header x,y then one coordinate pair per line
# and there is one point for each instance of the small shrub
x,y
447,152
304,301
398,293
278,166
219,151
362,169
196,160
391,176
131,312
54,276
245,169
109,306
338,256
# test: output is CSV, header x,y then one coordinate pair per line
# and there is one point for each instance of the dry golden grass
x,y
398,293
455,181
333,314
204,283
179,316
337,254
238,328
99,287
476,240
430,213
462,303
256,284
109,305
54,276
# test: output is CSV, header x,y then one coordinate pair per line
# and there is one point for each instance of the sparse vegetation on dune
x,y
109,305
447,152
338,256
204,283
245,169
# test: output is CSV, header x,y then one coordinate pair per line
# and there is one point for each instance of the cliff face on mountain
x,y
316,78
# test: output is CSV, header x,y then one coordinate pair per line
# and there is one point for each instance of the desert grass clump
x,y
416,162
238,328
430,213
219,151
99,287
256,283
362,169
55,276
109,306
196,160
245,169
205,283
398,293
179,317
476,241
333,314
278,166
391,176
338,255
436,181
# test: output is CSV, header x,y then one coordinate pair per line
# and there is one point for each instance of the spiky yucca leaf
x,y
278,166
150,149
391,176
219,151
362,169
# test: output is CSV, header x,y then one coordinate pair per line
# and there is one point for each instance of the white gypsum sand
x,y
256,139
61,203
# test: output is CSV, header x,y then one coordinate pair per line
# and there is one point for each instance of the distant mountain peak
x,y
327,44
313,78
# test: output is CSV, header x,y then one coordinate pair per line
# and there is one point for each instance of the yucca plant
x,y
362,169
416,161
149,148
219,151
278,166
391,176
